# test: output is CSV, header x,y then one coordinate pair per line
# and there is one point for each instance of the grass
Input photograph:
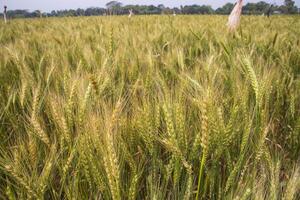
x,y
153,107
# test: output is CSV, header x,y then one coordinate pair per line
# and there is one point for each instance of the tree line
x,y
117,8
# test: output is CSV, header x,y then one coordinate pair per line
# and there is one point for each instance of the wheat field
x,y
152,107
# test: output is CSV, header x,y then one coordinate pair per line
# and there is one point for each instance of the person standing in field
x,y
235,16
269,11
4,14
130,13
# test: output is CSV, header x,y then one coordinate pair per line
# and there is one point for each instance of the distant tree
x,y
114,7
53,13
289,7
161,6
196,9
167,11
189,9
176,10
181,8
205,9
270,11
37,13
80,12
256,8
226,9
113,4
262,7
153,10
18,14
94,11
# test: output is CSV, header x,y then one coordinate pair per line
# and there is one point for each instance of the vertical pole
x,y
4,14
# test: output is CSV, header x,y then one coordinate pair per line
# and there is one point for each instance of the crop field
x,y
150,107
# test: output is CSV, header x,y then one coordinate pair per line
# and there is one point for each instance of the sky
x,y
48,5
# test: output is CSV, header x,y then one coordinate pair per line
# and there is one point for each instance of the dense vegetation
x,y
153,107
116,8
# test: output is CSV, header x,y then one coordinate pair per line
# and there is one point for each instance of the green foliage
x,y
117,8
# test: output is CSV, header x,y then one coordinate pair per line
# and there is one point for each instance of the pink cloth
x,y
235,16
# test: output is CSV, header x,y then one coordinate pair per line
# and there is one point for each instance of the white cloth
x,y
235,16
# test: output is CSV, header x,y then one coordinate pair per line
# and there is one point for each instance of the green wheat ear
x,y
252,76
